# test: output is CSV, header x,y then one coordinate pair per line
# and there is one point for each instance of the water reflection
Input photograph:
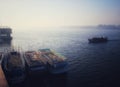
x,y
45,80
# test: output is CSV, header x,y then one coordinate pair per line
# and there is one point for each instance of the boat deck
x,y
43,57
34,58
14,60
51,56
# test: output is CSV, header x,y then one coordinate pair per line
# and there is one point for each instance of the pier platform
x,y
3,81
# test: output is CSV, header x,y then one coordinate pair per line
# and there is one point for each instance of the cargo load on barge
x,y
34,62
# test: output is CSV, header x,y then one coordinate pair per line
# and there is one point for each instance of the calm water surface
x,y
90,65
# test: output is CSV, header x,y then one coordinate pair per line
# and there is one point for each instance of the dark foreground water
x,y
90,65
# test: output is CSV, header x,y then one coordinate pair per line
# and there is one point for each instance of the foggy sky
x,y
54,13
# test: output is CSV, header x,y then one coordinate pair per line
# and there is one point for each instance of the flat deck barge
x,y
45,60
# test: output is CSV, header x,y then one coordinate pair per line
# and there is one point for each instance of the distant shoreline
x,y
96,27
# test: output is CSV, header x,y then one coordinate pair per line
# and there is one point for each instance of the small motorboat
x,y
98,39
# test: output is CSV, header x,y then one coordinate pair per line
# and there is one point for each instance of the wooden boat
x,y
98,39
14,67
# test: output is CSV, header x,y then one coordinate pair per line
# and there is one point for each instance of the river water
x,y
90,65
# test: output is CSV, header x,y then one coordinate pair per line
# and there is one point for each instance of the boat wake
x,y
114,40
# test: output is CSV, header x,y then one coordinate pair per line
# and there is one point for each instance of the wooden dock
x,y
3,81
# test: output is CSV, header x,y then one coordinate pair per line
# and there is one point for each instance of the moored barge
x,y
57,64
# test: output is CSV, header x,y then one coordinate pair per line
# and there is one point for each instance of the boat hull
x,y
98,40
